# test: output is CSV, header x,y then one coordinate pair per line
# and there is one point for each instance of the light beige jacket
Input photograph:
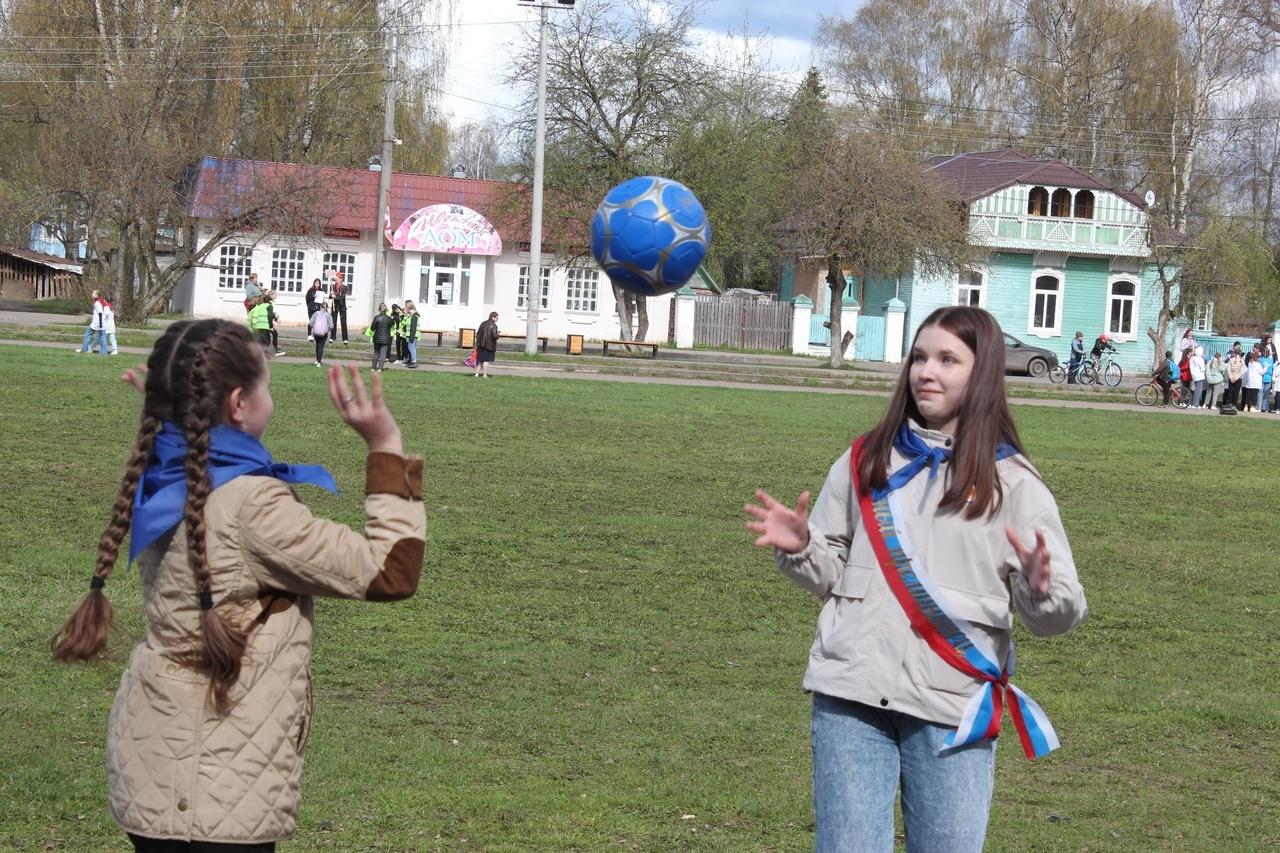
x,y
177,770
865,649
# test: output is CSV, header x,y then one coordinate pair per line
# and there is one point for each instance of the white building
x,y
445,254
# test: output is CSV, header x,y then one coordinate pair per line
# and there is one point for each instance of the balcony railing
x,y
1058,233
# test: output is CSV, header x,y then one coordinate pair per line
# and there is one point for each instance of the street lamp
x,y
535,238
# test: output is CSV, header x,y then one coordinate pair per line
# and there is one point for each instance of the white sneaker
x,y
318,364
310,338
115,352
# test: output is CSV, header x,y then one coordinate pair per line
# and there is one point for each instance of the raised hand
x,y
137,377
778,525
367,414
1035,561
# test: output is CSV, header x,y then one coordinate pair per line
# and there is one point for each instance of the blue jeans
x,y
860,754
1264,399
90,337
413,351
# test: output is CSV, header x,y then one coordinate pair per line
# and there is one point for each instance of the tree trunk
x,y
623,298
835,283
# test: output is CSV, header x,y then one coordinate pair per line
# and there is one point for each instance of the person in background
x,y
486,344
1266,346
1187,341
1184,374
1235,374
94,330
1196,364
1252,380
252,291
379,332
273,317
260,322
1165,375
319,326
314,293
1213,378
397,341
1077,359
339,305
1268,362
108,328
409,330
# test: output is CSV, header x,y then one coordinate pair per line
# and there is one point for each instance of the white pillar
x,y
849,309
685,305
895,315
801,316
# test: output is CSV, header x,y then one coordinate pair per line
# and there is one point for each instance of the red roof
x,y
981,173
220,183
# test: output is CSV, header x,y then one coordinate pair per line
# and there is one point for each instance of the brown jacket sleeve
x,y
288,548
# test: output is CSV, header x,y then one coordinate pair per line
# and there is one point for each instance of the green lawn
x,y
598,659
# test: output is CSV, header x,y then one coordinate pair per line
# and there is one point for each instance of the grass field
x,y
598,659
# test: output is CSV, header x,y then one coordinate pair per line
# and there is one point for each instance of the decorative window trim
x,y
1112,281
1056,329
982,274
522,288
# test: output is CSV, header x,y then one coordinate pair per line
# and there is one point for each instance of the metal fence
x,y
742,323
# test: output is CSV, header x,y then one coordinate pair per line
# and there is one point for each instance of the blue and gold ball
x,y
649,235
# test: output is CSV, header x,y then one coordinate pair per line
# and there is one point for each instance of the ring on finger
x,y
347,399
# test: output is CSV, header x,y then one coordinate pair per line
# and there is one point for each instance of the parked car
x,y
1025,358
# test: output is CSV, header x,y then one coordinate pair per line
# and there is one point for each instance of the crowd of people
x,y
1241,379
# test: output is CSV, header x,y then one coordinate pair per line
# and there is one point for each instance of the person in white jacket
x,y
1197,376
108,328
928,536
94,330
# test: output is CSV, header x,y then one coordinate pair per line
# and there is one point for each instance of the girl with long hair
x,y
928,535
206,735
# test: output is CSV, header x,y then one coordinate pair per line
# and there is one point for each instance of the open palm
x,y
777,525
1035,561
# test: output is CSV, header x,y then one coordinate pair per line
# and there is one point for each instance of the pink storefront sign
x,y
449,228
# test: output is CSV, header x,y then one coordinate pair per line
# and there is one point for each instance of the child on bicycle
x,y
1101,345
1165,375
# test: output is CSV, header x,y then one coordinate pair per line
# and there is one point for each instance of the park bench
x,y
467,338
439,333
607,344
542,340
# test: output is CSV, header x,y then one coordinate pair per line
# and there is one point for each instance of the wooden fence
x,y
742,323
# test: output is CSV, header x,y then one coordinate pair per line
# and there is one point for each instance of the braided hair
x,y
191,372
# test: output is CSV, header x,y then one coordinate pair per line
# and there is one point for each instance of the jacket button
x,y
171,668
884,703
182,805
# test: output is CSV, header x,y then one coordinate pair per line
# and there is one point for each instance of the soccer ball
x,y
649,235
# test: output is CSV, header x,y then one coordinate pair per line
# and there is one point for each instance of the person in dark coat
x,y
486,344
379,332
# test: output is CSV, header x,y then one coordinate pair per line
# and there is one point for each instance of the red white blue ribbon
x,y
951,637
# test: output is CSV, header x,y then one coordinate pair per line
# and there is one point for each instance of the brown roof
x,y
981,173
52,261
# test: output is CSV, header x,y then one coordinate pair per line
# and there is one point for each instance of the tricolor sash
x,y
932,617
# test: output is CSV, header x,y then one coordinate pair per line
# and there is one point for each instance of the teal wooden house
x,y
1057,251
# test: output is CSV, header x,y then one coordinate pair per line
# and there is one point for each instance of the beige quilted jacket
x,y
178,771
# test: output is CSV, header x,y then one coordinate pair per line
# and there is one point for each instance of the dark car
x,y
1025,358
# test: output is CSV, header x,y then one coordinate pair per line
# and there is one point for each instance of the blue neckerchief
x,y
162,490
920,453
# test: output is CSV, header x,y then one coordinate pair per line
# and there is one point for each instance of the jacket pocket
x,y
991,620
304,719
841,613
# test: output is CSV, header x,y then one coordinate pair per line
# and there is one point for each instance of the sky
x,y
488,29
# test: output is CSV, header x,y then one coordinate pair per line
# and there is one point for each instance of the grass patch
x,y
597,651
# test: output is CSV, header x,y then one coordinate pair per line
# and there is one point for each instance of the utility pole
x,y
384,180
533,296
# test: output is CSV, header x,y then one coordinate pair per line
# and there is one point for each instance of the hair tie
x,y
97,582
206,600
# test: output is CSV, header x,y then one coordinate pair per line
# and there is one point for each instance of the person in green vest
x,y
409,332
260,321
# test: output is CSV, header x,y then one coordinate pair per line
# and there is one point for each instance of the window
x,y
522,292
1038,202
969,288
234,264
1202,318
581,288
1044,304
1120,308
1084,205
345,263
286,270
1061,203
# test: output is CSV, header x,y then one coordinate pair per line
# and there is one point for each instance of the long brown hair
x,y
982,422
191,372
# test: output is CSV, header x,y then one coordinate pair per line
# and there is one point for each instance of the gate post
x,y
895,315
801,313
685,304
849,309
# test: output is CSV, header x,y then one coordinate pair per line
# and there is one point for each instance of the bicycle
x,y
1149,393
1103,368
1058,373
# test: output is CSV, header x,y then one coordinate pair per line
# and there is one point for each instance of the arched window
x,y
1061,205
1121,305
1038,202
1045,304
1084,205
969,288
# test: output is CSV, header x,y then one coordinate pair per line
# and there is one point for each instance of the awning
x,y
449,228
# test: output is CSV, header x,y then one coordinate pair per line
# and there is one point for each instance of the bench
x,y
653,347
437,332
542,340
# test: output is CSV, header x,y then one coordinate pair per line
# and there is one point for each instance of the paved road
x,y
505,369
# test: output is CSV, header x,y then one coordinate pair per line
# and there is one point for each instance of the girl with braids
x,y
205,739
919,576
